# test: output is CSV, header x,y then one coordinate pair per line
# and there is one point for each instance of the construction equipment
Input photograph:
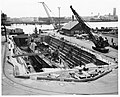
x,y
99,43
51,18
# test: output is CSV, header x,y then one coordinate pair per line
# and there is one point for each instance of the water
x,y
29,29
102,24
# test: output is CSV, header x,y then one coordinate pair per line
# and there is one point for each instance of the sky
x,y
31,8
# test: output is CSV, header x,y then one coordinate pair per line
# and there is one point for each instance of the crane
x,y
51,19
99,43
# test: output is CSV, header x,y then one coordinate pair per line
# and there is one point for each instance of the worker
x,y
112,40
36,49
33,45
106,41
101,39
36,30
40,31
55,54
11,49
116,60
60,60
29,68
48,50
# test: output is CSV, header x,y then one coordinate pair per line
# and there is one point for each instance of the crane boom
x,y
51,19
84,26
100,44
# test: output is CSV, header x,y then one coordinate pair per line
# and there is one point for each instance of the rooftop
x,y
70,25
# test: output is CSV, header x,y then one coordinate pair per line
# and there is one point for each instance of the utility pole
x,y
59,17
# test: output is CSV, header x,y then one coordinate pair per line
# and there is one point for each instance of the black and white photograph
x,y
59,47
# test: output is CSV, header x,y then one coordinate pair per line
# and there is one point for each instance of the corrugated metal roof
x,y
70,25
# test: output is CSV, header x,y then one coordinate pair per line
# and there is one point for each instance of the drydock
x,y
47,64
57,61
77,64
74,56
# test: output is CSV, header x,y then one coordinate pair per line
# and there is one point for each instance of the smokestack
x,y
114,11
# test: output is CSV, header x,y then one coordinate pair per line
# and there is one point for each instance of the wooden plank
x,y
28,54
